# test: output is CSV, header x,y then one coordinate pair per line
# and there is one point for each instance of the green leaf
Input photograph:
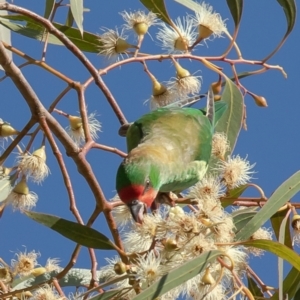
x,y
277,249
237,192
88,42
70,19
77,12
253,287
289,8
281,238
297,295
240,220
5,36
283,194
179,275
231,121
276,221
106,295
78,233
233,195
291,284
29,32
158,7
49,8
6,185
290,11
236,9
192,5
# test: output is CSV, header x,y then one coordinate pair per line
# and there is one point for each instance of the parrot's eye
x,y
147,186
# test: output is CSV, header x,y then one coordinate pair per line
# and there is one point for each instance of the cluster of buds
x,y
183,85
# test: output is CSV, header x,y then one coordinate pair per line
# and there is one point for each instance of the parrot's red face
x,y
138,198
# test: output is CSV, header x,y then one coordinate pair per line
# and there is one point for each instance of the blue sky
x,y
271,141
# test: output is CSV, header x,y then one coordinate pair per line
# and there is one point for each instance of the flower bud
x,y
21,188
75,122
121,46
141,28
170,244
259,100
120,268
6,130
40,153
157,87
204,32
217,97
181,72
207,222
207,278
38,271
181,44
295,222
216,87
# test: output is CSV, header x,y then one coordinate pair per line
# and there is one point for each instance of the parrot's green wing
x,y
137,130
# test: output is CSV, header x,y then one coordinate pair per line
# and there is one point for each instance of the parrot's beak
x,y
137,210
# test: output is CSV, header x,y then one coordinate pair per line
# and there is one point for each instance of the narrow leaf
x,y
77,12
158,7
291,284
297,295
276,221
236,9
290,11
106,295
253,287
89,42
276,248
70,19
283,194
242,219
29,32
179,275
231,121
281,239
237,192
49,8
192,5
78,233
6,185
5,35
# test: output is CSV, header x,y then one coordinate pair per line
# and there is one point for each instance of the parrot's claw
x,y
165,198
123,129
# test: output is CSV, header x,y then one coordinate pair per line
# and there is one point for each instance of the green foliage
x,y
158,7
169,248
179,275
78,233
283,194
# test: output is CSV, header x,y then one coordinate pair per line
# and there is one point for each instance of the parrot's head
x,y
137,187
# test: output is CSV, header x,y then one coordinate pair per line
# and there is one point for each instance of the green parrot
x,y
168,151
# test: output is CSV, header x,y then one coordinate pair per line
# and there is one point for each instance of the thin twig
x,y
109,149
75,50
